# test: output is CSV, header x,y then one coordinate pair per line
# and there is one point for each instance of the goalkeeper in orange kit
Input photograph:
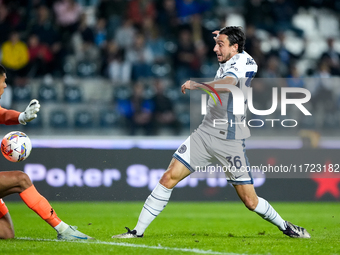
x,y
19,182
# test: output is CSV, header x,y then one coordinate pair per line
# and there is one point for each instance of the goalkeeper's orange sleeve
x,y
9,117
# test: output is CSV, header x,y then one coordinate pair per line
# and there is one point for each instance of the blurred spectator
x,y
258,14
332,57
88,2
330,4
137,111
140,56
44,29
43,26
101,41
15,58
186,8
295,80
84,42
253,47
100,33
153,40
138,10
272,69
18,15
164,113
273,76
112,11
250,33
5,25
167,19
47,3
201,36
322,100
40,57
118,69
67,13
186,62
282,12
285,56
323,90
125,34
110,8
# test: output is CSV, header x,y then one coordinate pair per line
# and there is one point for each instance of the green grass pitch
x,y
182,228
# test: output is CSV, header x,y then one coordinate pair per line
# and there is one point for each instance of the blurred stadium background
x,y
108,76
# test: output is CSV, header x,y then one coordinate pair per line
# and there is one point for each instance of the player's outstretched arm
x,y
225,81
9,117
195,85
187,85
30,112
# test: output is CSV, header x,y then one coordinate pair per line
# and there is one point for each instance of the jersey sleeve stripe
x,y
230,73
186,164
231,127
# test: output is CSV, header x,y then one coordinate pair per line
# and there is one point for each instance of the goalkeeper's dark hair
x,y
2,70
235,36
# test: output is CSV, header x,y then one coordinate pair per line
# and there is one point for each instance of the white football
x,y
16,146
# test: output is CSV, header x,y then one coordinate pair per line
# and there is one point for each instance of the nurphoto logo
x,y
239,102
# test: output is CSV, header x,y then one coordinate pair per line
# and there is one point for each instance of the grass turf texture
x,y
220,228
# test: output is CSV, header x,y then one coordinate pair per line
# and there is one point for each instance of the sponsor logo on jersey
x,y
250,61
234,67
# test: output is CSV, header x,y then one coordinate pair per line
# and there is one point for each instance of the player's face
x,y
223,49
3,84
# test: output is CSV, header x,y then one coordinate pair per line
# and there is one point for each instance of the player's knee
x,y
23,181
250,203
168,180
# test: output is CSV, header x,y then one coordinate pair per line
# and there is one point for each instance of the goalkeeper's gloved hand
x,y
30,113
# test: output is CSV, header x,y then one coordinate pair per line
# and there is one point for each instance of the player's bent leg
x,y
259,205
158,199
19,182
42,207
6,224
247,194
13,182
6,227
174,174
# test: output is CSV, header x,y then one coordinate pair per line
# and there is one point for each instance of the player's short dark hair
x,y
2,70
235,36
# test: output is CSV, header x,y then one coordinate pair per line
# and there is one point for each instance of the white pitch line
x,y
198,251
